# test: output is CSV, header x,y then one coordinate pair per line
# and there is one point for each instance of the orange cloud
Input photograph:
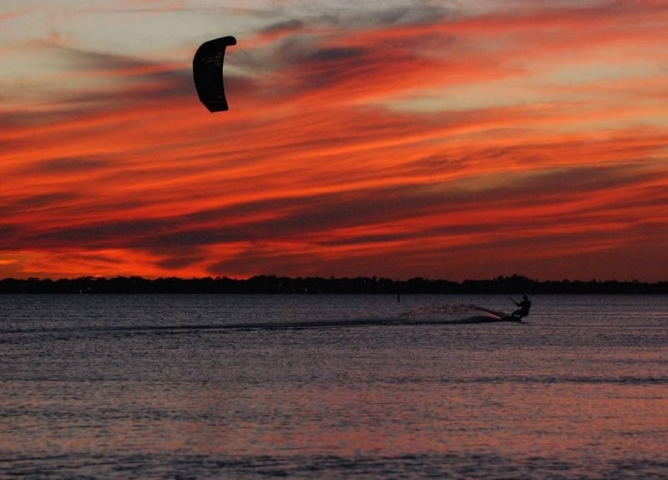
x,y
323,166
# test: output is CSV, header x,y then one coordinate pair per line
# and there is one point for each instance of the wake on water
x,y
454,314
450,314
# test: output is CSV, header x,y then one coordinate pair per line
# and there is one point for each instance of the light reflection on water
x,y
581,390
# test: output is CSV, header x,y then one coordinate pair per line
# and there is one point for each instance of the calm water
x,y
175,387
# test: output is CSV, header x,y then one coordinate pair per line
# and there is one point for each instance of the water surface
x,y
324,386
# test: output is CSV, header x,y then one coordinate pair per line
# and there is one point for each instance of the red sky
x,y
441,139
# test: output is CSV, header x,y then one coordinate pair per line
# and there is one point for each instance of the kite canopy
x,y
208,73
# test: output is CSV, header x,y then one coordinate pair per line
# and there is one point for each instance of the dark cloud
x,y
97,235
362,16
36,202
287,26
68,165
589,179
309,52
416,14
325,55
8,231
335,71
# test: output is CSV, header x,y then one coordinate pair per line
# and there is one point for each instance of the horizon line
x,y
514,277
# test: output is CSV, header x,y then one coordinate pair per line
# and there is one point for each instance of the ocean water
x,y
329,386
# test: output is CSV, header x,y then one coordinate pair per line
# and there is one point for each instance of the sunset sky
x,y
442,139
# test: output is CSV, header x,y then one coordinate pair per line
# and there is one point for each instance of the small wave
x,y
439,465
559,379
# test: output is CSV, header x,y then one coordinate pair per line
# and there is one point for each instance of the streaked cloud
x,y
409,139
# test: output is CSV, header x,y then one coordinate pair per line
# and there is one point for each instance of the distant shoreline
x,y
270,284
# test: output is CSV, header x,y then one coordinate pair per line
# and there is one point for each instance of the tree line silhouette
x,y
271,284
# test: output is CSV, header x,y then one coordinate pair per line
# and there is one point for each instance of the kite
x,y
208,73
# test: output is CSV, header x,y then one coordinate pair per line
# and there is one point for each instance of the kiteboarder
x,y
523,311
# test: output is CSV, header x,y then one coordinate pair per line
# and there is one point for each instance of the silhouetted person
x,y
523,311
